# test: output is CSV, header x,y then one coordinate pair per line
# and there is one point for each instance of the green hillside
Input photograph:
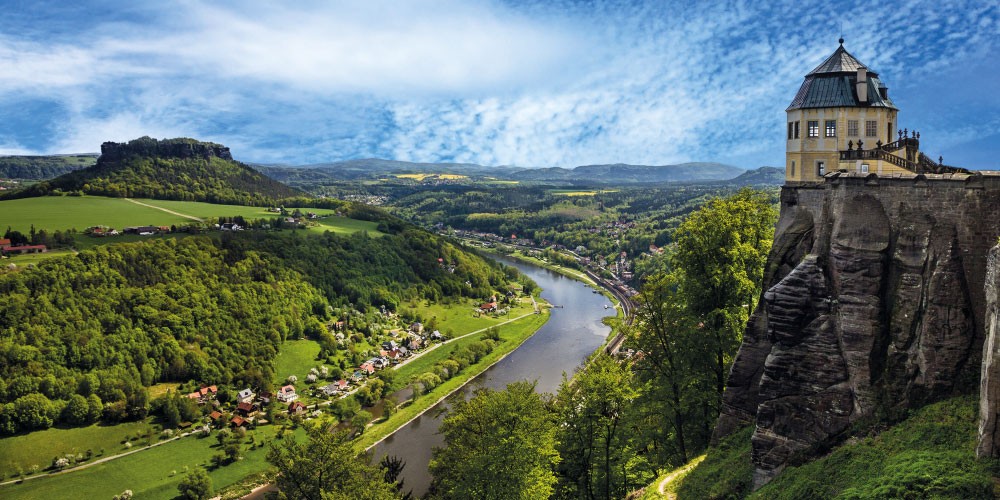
x,y
42,167
929,455
169,169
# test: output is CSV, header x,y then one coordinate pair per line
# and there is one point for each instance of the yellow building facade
x,y
843,119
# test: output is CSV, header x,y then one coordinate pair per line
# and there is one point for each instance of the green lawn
x,y
81,212
152,473
40,447
344,225
295,357
459,317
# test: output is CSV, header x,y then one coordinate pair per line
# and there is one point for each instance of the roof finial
x,y
841,41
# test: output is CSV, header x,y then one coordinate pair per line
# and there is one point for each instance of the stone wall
x,y
874,304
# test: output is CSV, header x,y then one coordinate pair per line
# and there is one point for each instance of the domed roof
x,y
833,84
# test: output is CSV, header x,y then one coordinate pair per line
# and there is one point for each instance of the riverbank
x,y
513,336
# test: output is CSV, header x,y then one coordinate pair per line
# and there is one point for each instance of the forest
x,y
81,337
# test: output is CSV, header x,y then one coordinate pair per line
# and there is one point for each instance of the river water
x,y
571,334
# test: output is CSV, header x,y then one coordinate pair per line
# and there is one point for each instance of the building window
x,y
793,168
820,169
871,128
796,129
852,128
831,128
789,130
813,128
864,168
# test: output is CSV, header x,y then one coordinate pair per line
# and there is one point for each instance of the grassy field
x,y
40,447
295,357
344,225
152,473
81,212
422,177
570,192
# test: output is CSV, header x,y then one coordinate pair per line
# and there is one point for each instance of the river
x,y
572,333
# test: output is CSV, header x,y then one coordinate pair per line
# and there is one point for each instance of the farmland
x,y
79,212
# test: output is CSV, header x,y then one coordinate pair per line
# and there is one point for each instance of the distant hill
x,y
763,176
37,168
369,168
620,173
606,174
169,169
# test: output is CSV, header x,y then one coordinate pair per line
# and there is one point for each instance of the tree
x,y
76,410
498,445
593,439
719,259
196,485
94,408
327,467
360,421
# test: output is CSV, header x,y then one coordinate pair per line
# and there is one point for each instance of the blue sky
x,y
534,84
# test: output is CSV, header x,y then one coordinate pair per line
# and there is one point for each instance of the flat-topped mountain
x,y
171,169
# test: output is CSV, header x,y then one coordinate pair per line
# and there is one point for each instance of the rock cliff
x,y
874,304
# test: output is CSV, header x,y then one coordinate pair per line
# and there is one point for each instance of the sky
x,y
553,83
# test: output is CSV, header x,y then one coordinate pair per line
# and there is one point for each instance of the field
x,y
569,192
422,177
20,453
152,473
295,357
81,212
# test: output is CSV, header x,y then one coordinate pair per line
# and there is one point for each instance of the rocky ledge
x,y
874,305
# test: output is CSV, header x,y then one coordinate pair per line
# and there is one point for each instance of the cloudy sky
x,y
532,83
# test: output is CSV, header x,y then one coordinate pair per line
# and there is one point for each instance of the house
x,y
414,344
436,335
287,394
341,384
330,389
215,415
357,375
367,368
265,397
247,409
296,408
389,345
488,307
378,363
393,355
417,328
208,392
4,243
245,396
237,422
195,396
404,352
24,249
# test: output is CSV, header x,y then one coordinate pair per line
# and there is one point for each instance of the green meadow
x,y
81,212
152,473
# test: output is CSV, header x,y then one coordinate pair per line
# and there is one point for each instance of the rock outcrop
x,y
167,148
873,305
989,387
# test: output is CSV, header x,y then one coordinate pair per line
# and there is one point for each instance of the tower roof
x,y
833,84
841,61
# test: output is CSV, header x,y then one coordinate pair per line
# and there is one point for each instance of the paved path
x,y
186,216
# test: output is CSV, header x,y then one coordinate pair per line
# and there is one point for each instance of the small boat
x,y
605,306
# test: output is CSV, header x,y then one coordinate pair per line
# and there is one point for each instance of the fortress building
x,y
842,119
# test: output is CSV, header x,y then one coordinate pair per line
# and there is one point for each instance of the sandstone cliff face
x,y
874,303
989,388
